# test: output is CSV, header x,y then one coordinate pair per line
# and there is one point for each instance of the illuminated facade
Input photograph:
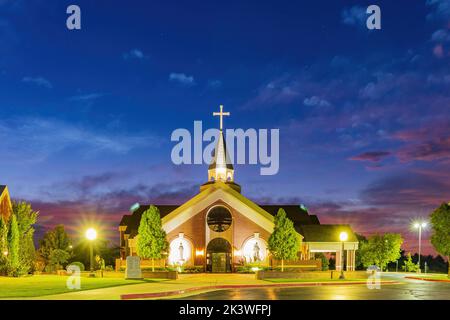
x,y
219,229
5,203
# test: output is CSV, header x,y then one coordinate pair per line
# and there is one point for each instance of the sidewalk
x,y
427,279
186,284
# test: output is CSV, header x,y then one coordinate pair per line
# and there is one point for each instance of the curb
x,y
427,279
231,286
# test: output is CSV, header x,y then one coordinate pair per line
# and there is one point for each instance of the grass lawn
x,y
436,276
36,286
283,280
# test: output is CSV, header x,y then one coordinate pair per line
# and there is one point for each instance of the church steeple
x,y
221,168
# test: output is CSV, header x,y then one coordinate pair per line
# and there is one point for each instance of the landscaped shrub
x,y
109,268
251,267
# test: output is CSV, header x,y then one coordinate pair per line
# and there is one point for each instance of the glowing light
x,y
134,207
199,253
254,250
91,234
237,253
343,236
181,251
5,253
419,224
254,269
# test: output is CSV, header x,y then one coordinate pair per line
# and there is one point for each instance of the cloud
x,y
438,51
440,10
214,84
429,143
407,191
373,156
441,35
315,101
354,16
182,79
106,207
86,97
35,139
134,54
281,91
39,81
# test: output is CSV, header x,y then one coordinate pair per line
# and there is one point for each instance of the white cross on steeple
x,y
221,114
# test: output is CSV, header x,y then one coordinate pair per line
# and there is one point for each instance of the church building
x,y
219,229
5,203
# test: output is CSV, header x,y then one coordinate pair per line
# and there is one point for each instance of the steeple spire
x,y
221,168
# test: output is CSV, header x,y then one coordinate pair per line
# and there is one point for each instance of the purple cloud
x,y
373,156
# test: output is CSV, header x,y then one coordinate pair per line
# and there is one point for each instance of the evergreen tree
x,y
26,218
151,241
284,242
13,247
3,245
440,221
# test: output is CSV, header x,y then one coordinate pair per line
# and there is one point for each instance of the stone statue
x,y
256,249
181,251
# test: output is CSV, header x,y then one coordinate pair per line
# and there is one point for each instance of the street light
x,y
343,236
91,235
420,225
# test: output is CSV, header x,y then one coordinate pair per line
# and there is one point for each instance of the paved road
x,y
407,290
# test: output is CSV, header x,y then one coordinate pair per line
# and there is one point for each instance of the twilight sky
x,y
364,116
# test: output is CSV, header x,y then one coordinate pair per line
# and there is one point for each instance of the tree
x,y
151,242
13,247
284,242
379,250
358,263
58,257
440,221
54,239
26,218
3,245
409,265
105,248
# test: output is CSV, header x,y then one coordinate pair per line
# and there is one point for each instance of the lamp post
x,y
343,236
91,235
420,225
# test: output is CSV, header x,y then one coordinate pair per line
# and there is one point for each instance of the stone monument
x,y
133,269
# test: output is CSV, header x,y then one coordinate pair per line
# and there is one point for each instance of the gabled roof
x,y
216,191
133,220
325,232
297,214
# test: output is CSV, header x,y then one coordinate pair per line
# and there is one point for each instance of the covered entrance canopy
x,y
325,238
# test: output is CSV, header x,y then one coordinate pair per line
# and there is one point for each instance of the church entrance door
x,y
218,256
219,262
